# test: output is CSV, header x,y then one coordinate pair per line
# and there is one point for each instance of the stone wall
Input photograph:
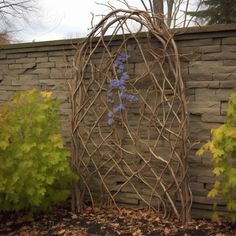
x,y
209,70
208,57
45,66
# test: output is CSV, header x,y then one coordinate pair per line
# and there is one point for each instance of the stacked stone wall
x,y
208,61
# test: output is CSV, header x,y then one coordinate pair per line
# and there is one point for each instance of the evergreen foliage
x,y
34,167
216,12
223,148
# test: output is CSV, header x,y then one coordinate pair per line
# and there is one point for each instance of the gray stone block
x,y
41,71
6,95
42,59
28,65
46,65
223,108
200,107
202,84
224,76
224,55
26,60
16,55
28,77
229,62
15,66
5,67
229,40
229,48
37,54
228,84
57,59
7,61
63,53
213,118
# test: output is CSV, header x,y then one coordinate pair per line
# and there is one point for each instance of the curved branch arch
x,y
141,152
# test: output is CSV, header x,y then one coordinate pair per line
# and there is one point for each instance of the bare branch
x,y
11,10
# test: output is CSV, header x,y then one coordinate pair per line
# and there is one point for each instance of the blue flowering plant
x,y
117,95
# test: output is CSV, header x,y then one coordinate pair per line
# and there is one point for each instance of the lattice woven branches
x,y
141,156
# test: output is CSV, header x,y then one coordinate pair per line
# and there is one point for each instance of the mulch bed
x,y
107,221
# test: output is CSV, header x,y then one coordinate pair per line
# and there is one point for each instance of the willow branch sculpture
x,y
129,117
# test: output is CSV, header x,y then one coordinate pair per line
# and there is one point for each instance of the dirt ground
x,y
105,222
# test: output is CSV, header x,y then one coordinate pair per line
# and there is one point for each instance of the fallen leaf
x,y
114,225
74,216
137,233
167,231
61,232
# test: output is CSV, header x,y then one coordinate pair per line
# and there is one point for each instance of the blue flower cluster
x,y
119,86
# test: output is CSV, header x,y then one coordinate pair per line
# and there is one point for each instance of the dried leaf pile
x,y
107,221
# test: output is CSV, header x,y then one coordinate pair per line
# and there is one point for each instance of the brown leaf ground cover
x,y
107,221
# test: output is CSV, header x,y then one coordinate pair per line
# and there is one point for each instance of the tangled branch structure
x,y
129,116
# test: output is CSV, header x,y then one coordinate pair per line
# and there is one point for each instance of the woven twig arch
x,y
139,150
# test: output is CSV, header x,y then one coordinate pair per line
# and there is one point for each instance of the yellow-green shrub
x,y
34,167
223,148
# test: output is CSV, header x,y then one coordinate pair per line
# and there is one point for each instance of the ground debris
x,y
104,221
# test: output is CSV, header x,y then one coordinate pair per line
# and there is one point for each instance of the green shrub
x,y
223,148
34,167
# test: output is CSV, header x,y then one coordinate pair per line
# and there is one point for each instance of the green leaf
x,y
4,144
223,149
215,216
213,193
218,170
34,170
231,205
203,149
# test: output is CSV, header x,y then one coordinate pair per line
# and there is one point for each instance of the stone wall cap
x,y
206,29
194,31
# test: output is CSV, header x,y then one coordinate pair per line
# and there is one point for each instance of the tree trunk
x,y
158,9
170,4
